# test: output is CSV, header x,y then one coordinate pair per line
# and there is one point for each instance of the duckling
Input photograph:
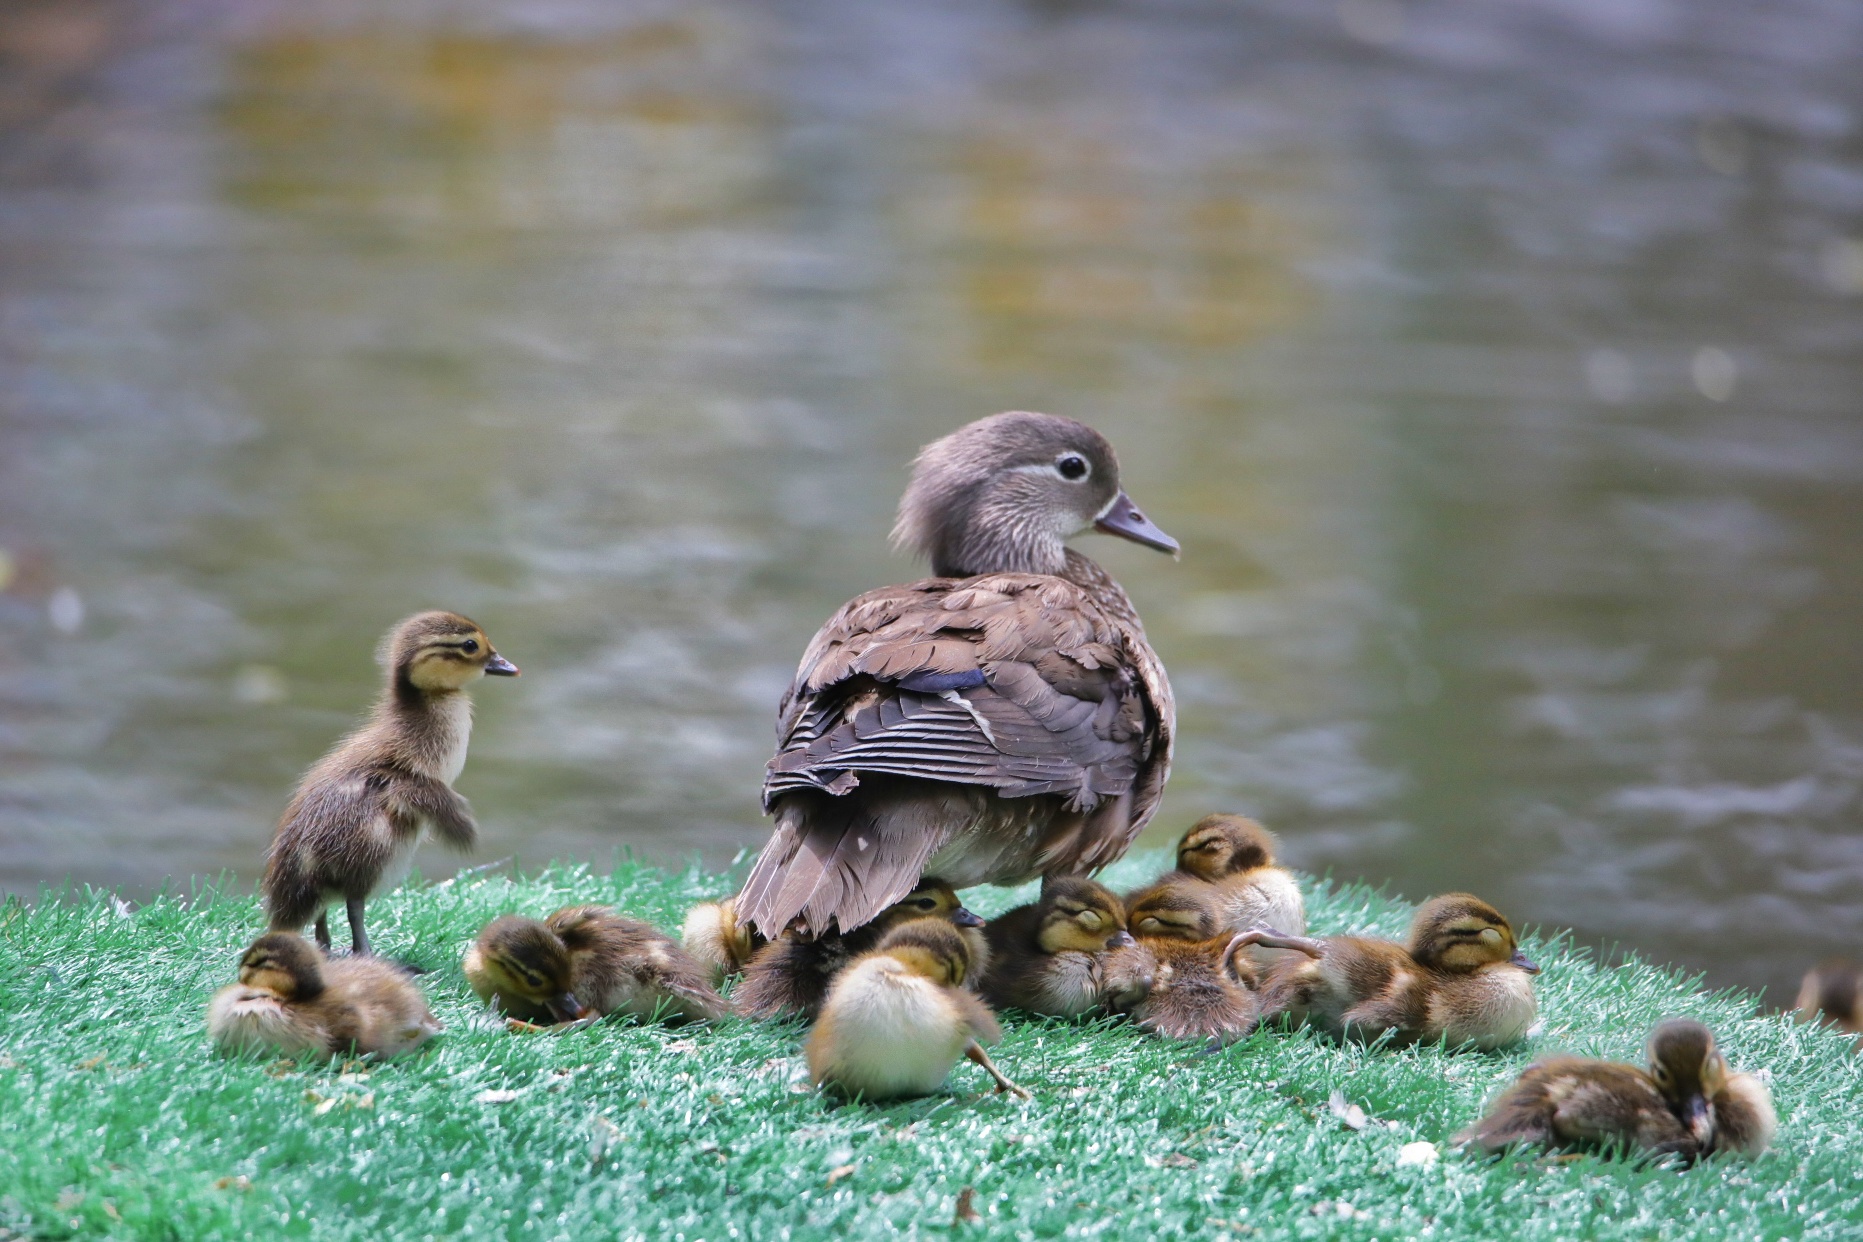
x,y
584,961
1833,994
1462,979
1046,957
713,935
1237,855
352,826
291,1001
897,1018
1687,1103
1003,720
1186,978
789,976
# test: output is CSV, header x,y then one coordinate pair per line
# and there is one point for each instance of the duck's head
x,y
434,652
1689,1071
1460,933
523,959
284,964
930,948
1220,845
1173,908
932,899
1082,915
1005,493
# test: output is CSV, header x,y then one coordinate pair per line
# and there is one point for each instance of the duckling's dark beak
x,y
1120,939
964,918
1698,1116
564,1008
498,666
1125,520
1524,962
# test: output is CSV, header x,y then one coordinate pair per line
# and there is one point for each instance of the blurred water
x,y
1495,363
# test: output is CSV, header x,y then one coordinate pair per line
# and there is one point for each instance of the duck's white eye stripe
x,y
1053,471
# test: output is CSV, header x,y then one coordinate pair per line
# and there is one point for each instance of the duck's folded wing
x,y
1015,682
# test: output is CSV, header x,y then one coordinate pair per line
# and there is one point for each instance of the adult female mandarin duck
x,y
1003,720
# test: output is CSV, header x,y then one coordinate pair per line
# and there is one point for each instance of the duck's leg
x,y
1269,938
358,939
976,1053
323,931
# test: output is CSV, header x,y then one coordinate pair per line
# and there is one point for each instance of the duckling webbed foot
x,y
1269,938
323,932
975,1052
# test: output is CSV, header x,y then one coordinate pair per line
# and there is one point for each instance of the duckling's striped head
x,y
523,960
931,948
1004,493
285,964
1460,932
434,652
1174,908
1082,915
932,899
1689,1071
1220,845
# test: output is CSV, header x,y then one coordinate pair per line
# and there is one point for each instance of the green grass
x,y
116,1119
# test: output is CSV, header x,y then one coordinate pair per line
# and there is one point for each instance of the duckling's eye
x,y
926,903
1491,935
1151,921
1660,1074
1089,919
470,646
1073,466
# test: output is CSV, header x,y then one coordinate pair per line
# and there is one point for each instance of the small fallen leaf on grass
x,y
966,1212
1418,1153
242,1182
91,1064
70,1199
1171,1160
1351,1114
839,1172
683,1045
111,1212
495,1096
603,1134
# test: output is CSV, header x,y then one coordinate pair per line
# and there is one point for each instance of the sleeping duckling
x,y
714,936
1462,979
584,961
1046,957
352,826
897,1019
789,977
1687,1103
1833,994
290,1001
1185,978
1237,855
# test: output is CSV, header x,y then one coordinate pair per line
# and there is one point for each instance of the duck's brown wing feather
x,y
1016,685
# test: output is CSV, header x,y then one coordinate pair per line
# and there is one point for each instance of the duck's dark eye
x,y
470,646
1072,466
927,903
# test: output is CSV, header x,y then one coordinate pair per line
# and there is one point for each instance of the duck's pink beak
x,y
1125,520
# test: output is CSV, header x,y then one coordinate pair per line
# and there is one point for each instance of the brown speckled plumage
x,y
588,960
359,813
1003,720
291,1001
1046,957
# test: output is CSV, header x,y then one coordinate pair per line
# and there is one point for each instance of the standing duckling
x,y
897,1019
1046,957
587,960
1237,855
1687,1103
1462,979
789,977
352,826
715,936
1832,993
290,1001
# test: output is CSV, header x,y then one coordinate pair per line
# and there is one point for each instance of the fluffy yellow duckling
x,y
1046,957
714,936
585,961
1237,855
1461,979
789,977
358,815
1832,993
289,1000
897,1019
1688,1102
